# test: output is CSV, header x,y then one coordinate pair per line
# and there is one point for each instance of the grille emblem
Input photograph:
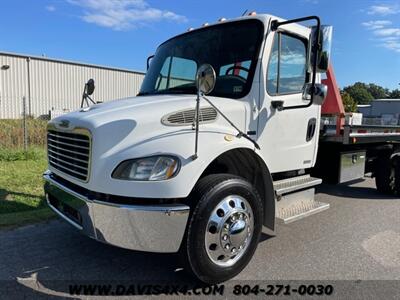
x,y
64,123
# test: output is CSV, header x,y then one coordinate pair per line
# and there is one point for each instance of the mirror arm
x,y
196,124
240,133
275,25
83,96
87,96
205,72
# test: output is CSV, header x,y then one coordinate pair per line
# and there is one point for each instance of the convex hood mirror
x,y
90,87
205,79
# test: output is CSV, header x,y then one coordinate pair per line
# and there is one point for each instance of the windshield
x,y
232,49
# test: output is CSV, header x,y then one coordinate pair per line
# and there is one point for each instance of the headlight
x,y
148,169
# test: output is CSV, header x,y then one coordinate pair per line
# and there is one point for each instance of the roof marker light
x,y
253,13
190,29
221,19
205,24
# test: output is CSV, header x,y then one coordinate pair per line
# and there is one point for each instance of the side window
x,y
287,65
175,72
183,71
161,83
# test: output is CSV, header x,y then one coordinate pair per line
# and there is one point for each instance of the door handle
x,y
312,124
277,104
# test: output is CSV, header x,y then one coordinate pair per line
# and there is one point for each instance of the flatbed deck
x,y
360,134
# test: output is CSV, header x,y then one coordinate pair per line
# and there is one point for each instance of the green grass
x,y
20,154
21,187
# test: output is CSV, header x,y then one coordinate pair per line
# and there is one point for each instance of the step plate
x,y
294,184
295,206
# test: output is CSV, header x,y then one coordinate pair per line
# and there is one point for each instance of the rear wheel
x,y
224,228
387,175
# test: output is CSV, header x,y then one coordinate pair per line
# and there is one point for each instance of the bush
x,y
12,133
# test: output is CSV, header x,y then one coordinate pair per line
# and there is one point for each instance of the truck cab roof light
x,y
205,24
190,29
221,19
253,13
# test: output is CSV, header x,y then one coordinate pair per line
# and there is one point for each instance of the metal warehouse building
x,y
50,84
382,111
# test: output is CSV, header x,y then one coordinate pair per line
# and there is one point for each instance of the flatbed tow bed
x,y
361,134
347,152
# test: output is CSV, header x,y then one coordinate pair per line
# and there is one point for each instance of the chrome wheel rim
x,y
229,231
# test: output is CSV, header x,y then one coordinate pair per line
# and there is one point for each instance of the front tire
x,y
224,228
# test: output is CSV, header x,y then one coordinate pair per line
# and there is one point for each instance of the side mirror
x,y
90,87
149,60
319,92
323,52
205,79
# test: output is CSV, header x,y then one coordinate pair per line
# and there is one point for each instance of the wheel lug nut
x,y
225,237
226,226
233,218
233,250
227,246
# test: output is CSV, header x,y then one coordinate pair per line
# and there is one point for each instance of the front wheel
x,y
224,228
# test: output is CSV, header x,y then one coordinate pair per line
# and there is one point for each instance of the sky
x,y
123,33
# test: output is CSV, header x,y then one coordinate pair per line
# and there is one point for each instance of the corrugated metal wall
x,y
52,84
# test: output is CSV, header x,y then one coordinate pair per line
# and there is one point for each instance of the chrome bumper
x,y
137,227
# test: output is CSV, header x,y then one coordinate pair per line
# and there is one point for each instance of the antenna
x,y
245,12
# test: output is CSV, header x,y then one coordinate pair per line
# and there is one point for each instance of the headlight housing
x,y
153,168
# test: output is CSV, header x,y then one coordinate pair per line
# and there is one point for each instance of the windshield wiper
x,y
144,94
182,88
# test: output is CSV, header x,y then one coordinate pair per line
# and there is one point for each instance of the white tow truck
x,y
220,141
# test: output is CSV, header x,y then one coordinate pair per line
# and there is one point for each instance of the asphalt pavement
x,y
357,239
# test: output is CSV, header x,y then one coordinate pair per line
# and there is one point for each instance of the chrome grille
x,y
187,117
69,152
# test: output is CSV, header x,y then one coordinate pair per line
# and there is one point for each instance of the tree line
x,y
362,93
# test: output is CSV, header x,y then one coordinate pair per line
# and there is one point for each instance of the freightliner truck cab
x,y
215,146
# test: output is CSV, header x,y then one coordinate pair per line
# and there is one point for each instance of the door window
x,y
287,67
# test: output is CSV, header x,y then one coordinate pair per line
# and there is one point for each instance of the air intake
x,y
187,117
69,152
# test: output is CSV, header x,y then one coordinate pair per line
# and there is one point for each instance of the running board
x,y
289,185
295,198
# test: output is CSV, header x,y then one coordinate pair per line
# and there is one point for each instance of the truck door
x,y
288,138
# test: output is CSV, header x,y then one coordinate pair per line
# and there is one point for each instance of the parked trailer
x,y
220,141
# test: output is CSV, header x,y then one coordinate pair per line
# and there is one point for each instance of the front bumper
x,y
153,228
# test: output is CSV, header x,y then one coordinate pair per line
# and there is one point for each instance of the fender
x,y
268,194
396,154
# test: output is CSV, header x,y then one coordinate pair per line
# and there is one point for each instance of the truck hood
x,y
118,124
